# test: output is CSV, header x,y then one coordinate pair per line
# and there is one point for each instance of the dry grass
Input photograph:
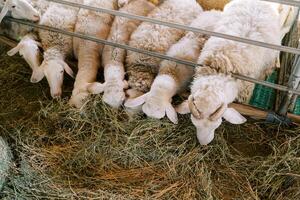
x,y
100,153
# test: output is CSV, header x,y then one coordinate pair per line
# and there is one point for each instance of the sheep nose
x,y
36,17
56,95
33,80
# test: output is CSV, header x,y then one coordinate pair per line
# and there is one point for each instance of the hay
x,y
100,153
5,161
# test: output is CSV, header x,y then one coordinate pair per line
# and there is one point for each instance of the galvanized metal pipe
x,y
150,53
183,27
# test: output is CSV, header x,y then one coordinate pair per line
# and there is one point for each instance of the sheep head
x,y
20,9
28,48
54,70
208,106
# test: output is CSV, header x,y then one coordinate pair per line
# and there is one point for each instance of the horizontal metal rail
x,y
150,53
286,2
183,27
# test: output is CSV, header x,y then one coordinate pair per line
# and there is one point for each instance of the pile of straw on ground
x,y
100,153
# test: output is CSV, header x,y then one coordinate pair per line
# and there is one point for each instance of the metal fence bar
x,y
150,53
183,27
286,2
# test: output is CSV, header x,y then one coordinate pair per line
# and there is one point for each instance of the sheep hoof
x,y
79,99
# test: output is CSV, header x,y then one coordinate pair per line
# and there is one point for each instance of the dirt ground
x,y
100,153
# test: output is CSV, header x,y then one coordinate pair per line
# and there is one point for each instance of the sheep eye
x,y
62,71
13,6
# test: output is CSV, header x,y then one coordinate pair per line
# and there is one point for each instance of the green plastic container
x,y
297,107
264,97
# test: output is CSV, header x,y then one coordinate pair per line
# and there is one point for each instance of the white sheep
x,y
142,69
28,48
172,77
213,88
57,47
113,58
20,9
95,24
17,31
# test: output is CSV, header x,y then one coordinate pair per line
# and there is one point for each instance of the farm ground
x,y
100,153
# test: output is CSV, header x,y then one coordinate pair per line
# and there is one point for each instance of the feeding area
x,y
149,99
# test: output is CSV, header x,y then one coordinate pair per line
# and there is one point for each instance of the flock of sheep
x,y
150,83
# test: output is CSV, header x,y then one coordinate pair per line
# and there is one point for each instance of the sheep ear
x,y
96,88
14,50
183,108
171,114
233,116
132,103
4,10
37,75
39,44
69,70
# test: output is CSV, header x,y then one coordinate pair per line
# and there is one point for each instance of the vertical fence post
x,y
294,81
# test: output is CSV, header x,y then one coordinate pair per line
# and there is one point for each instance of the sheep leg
x,y
88,65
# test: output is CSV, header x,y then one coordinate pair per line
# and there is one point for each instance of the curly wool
x,y
61,17
142,69
255,20
121,30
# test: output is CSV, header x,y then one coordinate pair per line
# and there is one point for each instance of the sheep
x,y
172,77
141,69
28,47
87,52
17,31
113,58
213,88
20,9
57,47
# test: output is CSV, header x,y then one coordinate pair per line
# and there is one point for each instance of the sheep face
x,y
20,9
208,106
54,70
207,109
28,48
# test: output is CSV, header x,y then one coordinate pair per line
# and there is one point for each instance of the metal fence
x,y
291,89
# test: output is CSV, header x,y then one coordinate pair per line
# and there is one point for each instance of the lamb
x,y
28,48
113,58
213,88
20,9
172,77
88,53
142,69
57,47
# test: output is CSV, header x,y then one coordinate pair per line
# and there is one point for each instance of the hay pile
x,y
5,161
100,153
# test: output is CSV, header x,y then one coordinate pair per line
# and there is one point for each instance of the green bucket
x,y
264,97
